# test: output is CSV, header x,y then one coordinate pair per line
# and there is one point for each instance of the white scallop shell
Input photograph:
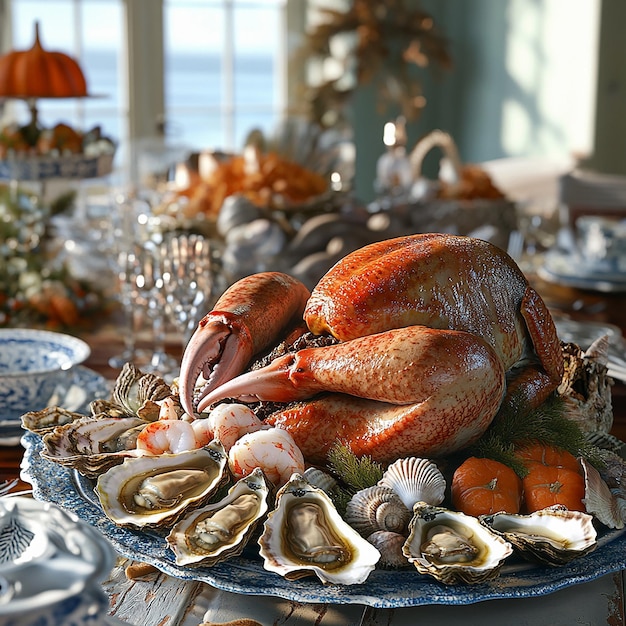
x,y
320,478
377,508
415,480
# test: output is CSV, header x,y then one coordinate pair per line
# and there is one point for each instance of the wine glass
x,y
187,279
125,231
149,295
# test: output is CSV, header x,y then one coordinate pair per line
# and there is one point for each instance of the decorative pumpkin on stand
x,y
40,73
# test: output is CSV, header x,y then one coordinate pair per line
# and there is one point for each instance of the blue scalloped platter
x,y
245,574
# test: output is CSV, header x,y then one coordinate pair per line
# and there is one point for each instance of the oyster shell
x,y
135,394
453,547
586,387
607,507
92,444
553,536
377,508
305,535
222,529
415,480
46,420
156,491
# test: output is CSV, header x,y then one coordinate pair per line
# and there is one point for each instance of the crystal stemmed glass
x,y
125,231
150,297
187,279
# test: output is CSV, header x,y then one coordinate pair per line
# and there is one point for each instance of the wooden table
x,y
170,602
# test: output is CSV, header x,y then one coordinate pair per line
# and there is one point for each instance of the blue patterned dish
x,y
33,365
84,386
245,574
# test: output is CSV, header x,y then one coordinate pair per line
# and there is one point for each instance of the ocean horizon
x,y
195,86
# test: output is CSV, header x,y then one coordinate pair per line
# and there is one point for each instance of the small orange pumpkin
x,y
548,455
39,73
483,486
546,485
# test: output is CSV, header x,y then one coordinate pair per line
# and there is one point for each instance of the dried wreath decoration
x,y
373,41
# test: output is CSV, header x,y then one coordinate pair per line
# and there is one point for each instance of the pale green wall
x,y
523,82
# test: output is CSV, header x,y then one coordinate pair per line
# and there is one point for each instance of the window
x,y
204,71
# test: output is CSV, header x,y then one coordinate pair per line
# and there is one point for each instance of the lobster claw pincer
x,y
218,350
247,319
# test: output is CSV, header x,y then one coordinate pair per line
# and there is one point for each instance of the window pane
x,y
221,70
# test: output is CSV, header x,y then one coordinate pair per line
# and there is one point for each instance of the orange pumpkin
x,y
39,73
546,485
483,486
548,455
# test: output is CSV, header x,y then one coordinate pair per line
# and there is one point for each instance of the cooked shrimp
x,y
272,449
230,421
167,436
203,431
167,410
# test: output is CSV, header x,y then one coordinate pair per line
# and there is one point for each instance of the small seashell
x,y
389,544
377,508
415,480
599,501
321,479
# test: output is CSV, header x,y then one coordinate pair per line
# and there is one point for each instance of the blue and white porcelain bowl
x,y
52,565
34,364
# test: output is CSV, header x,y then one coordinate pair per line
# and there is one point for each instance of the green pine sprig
x,y
546,424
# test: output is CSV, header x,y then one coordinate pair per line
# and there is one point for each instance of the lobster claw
x,y
219,351
247,319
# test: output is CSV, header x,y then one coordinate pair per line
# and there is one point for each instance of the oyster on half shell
x,y
220,530
156,491
453,547
305,535
553,536
92,444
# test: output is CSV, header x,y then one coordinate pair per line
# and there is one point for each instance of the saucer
x,y
570,269
86,386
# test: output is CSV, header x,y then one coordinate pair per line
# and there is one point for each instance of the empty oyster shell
x,y
599,501
156,491
92,444
46,420
136,393
553,536
220,530
415,480
305,535
377,508
453,547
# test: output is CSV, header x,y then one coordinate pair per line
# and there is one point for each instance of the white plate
x,y
85,387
